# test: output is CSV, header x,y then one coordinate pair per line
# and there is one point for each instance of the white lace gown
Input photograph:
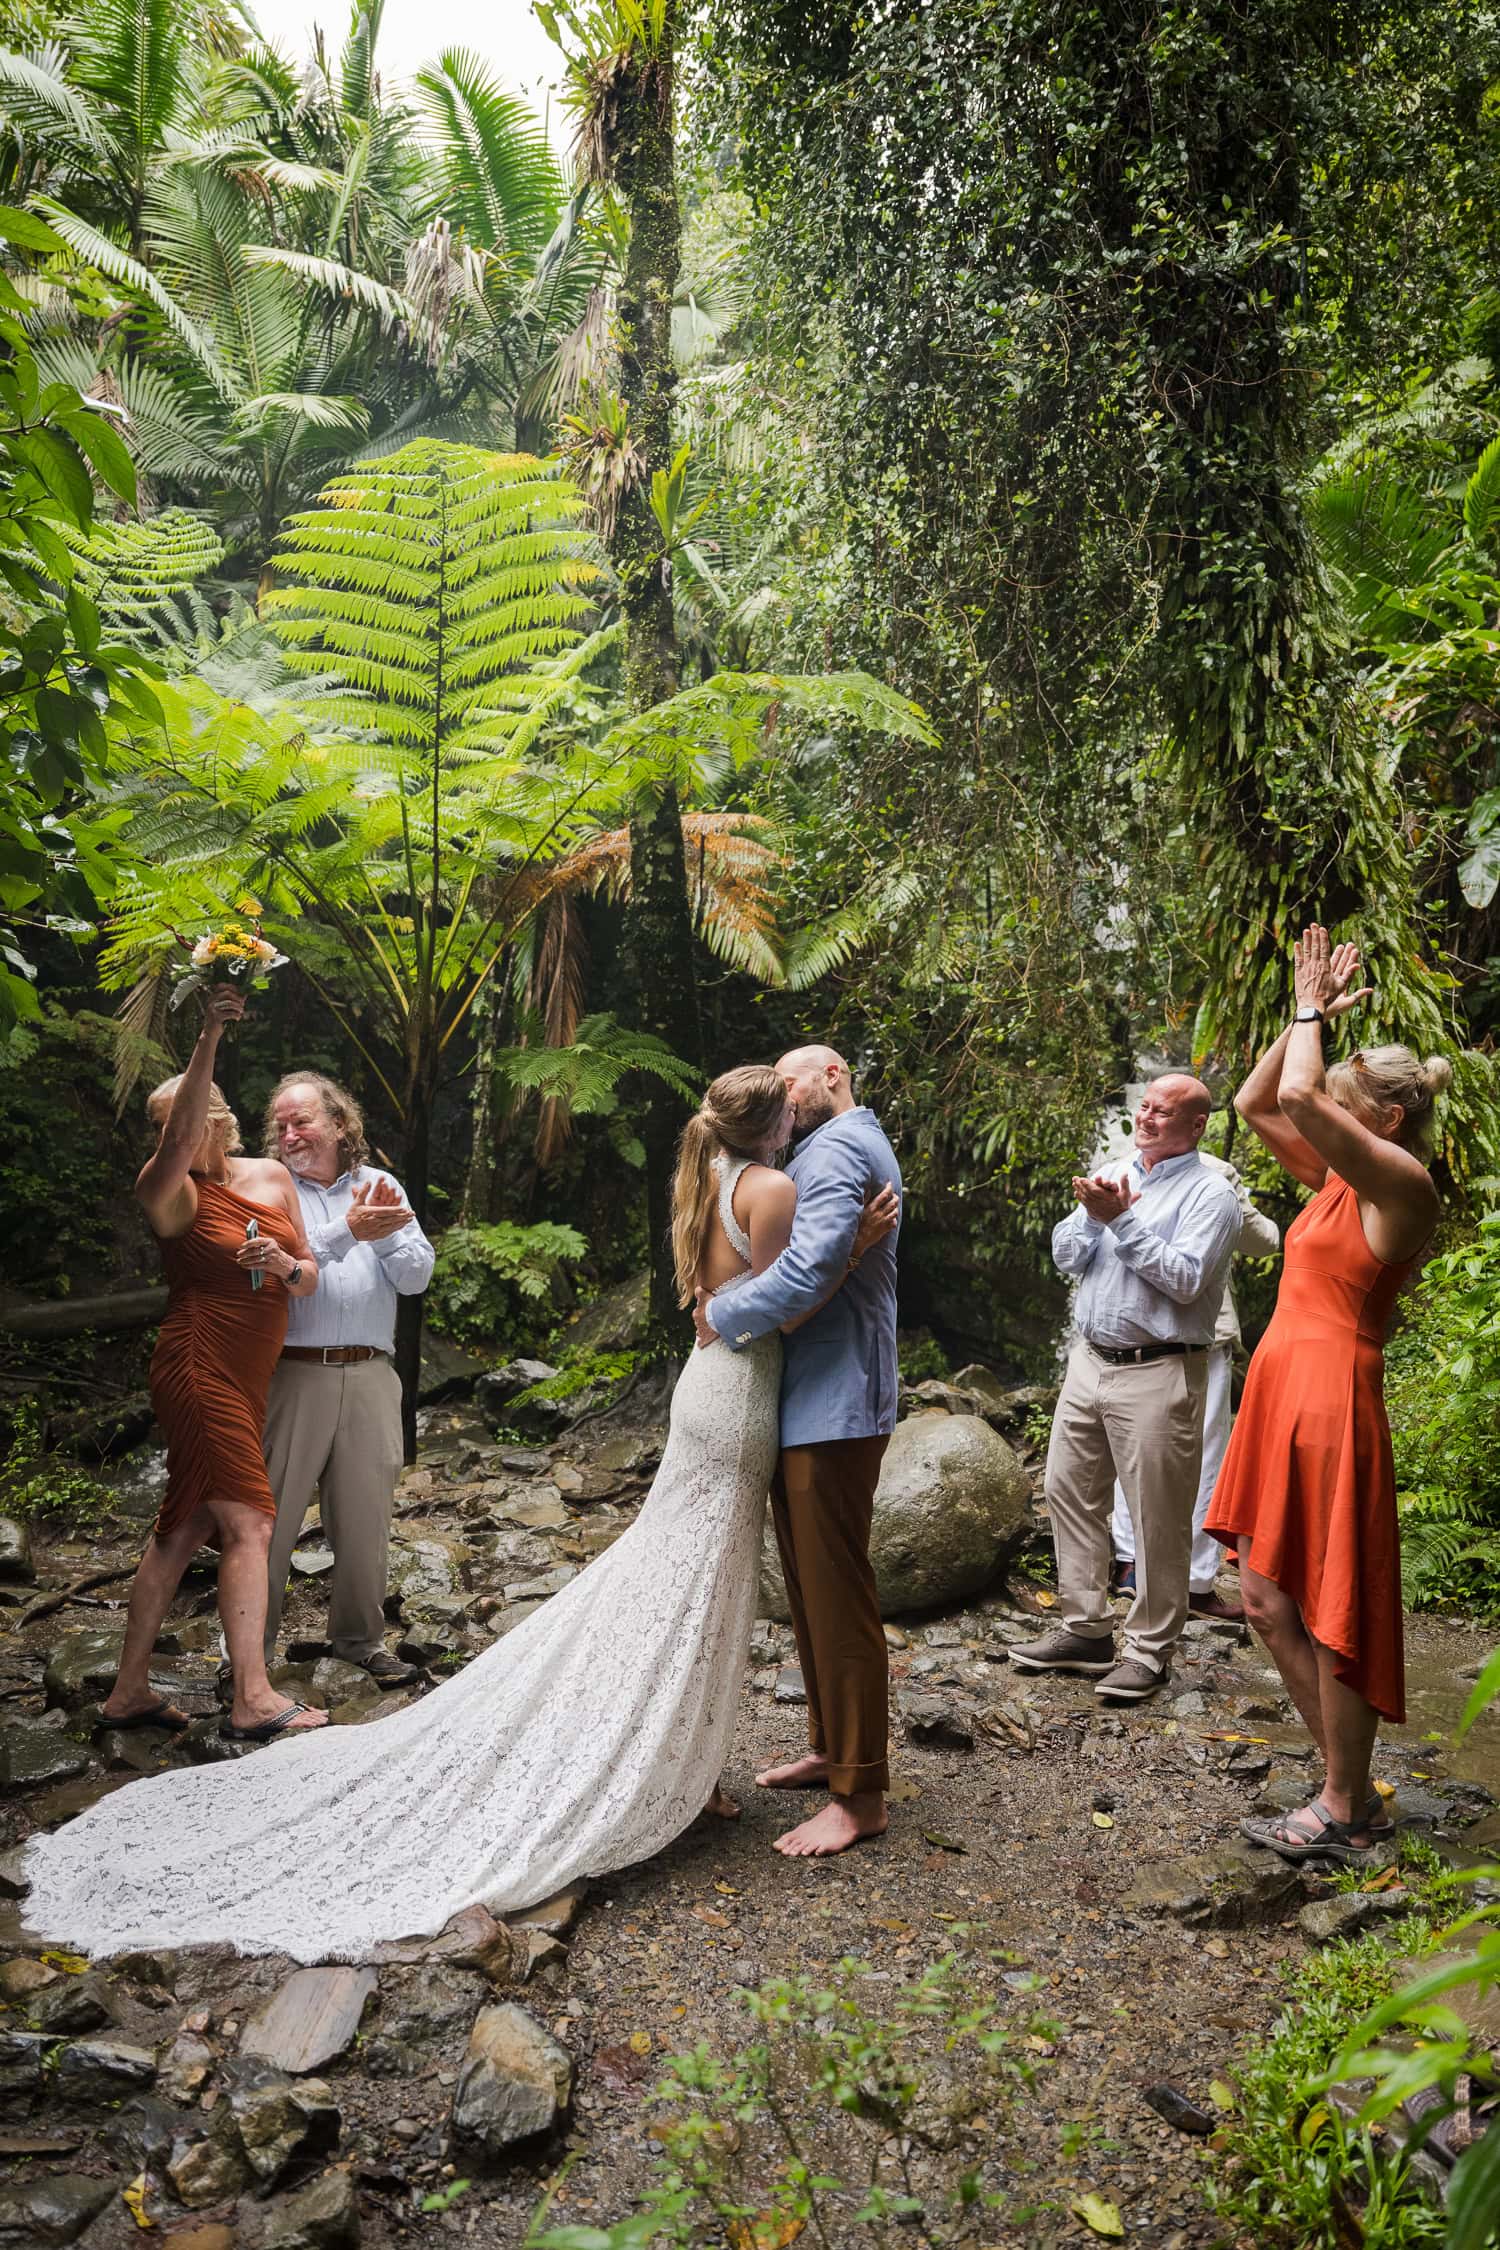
x,y
584,1741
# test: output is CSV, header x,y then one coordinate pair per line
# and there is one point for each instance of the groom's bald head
x,y
818,1081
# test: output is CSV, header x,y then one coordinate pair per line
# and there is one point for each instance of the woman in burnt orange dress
x,y
1307,1493
222,1219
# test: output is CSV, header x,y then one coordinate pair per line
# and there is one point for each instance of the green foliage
x,y
1289,2160
35,1483
59,1151
492,1285
921,1358
851,2108
587,1372
586,1072
1443,1397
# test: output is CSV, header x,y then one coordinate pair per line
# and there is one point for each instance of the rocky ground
x,y
1087,1860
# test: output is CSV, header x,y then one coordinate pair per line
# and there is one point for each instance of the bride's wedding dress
x,y
584,1741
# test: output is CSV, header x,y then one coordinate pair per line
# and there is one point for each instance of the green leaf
x,y
27,231
1100,2216
1484,1692
1474,2194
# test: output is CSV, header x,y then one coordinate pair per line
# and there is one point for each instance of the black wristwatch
x,y
295,1275
1309,1014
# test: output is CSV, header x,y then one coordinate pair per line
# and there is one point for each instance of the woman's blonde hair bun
x,y
1437,1075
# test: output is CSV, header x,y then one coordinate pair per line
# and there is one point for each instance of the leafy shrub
x,y
63,1188
491,1284
921,1358
888,2116
35,1483
587,1372
1443,1393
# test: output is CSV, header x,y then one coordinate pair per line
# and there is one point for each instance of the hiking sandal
x,y
1332,1839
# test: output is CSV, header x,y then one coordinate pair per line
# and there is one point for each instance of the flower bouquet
x,y
237,954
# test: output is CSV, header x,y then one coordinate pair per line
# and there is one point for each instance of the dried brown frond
x,y
140,1028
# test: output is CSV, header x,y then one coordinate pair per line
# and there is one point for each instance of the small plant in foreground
x,y
845,2111
35,1483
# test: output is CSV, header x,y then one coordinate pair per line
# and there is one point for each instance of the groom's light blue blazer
x,y
839,1371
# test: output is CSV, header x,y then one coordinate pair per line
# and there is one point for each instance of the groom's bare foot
x,y
721,1806
810,1772
842,1822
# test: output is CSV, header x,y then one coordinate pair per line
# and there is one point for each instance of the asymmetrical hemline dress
x,y
215,1354
1309,1477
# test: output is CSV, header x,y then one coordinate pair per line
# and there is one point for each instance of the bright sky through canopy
x,y
415,32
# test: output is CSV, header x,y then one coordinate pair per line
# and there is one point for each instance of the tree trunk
x,y
478,1209
415,1178
658,930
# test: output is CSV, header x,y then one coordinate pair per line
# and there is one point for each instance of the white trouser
x,y
1208,1554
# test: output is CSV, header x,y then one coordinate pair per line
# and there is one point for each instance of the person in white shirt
x,y
333,1418
1259,1237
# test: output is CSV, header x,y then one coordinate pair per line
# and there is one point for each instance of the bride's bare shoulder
x,y
766,1189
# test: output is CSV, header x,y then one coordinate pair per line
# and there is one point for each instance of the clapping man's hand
x,y
377,1211
1104,1199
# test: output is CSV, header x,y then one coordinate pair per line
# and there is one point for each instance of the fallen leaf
x,y
1260,1740
1102,2217
712,1917
1102,1820
1382,1881
617,2070
640,2042
726,1890
72,1964
897,1929
902,1791
941,1842
771,2230
1217,1947
1046,1600
135,2202
1220,2095
1386,1788
1313,2123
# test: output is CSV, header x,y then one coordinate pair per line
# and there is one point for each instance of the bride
x,y
584,1741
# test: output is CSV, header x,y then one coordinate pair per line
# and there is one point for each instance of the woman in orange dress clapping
x,y
1307,1493
226,1223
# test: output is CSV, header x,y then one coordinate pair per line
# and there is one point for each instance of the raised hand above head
x,y
1323,974
223,1004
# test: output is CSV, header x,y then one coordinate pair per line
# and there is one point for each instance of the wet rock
x,y
516,2081
32,1755
467,1941
282,2121
187,2069
951,1498
36,2214
790,1685
1323,1920
103,2070
13,1878
634,1454
1181,2114
21,1977
985,1385
311,2018
432,2003
448,1371
939,1398
427,1644
1419,1807
81,1669
935,1724
208,2167
555,1915
1192,1705
614,1321
321,2216
765,1644
334,1681
541,1510
21,2055
16,1565
420,1569
142,2132
76,2005
523,1460
1234,1888
495,1390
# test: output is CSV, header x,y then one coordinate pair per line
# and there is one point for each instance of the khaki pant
x,y
1142,1423
336,1432
822,1504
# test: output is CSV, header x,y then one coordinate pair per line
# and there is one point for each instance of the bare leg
x,y
1349,1725
721,1805
1278,1621
842,1822
157,1579
245,1544
810,1772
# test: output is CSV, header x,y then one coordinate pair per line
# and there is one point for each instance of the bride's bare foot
x,y
842,1822
810,1772
721,1805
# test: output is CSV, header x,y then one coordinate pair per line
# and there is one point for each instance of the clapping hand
x,y
1103,1198
377,1211
1322,974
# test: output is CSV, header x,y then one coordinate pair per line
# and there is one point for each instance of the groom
x,y
838,1409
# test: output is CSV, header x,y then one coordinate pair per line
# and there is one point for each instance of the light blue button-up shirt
x,y
358,1282
1156,1274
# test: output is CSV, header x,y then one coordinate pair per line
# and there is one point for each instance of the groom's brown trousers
x,y
822,1503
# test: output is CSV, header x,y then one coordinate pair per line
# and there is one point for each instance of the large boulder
x,y
516,2081
16,1565
614,1321
952,1497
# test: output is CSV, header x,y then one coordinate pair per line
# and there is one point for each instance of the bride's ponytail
x,y
741,1113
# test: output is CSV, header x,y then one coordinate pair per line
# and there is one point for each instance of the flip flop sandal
x,y
155,1715
1334,1840
265,1729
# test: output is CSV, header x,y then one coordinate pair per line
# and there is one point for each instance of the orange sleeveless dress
x,y
1308,1477
218,1344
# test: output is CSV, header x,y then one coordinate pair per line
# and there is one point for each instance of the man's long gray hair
x,y
339,1107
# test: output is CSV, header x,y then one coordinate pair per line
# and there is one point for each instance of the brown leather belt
x,y
331,1355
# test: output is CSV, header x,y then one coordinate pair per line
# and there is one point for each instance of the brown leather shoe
x,y
1062,1651
1213,1604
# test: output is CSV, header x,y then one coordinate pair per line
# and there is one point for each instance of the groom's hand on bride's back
x,y
706,1334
